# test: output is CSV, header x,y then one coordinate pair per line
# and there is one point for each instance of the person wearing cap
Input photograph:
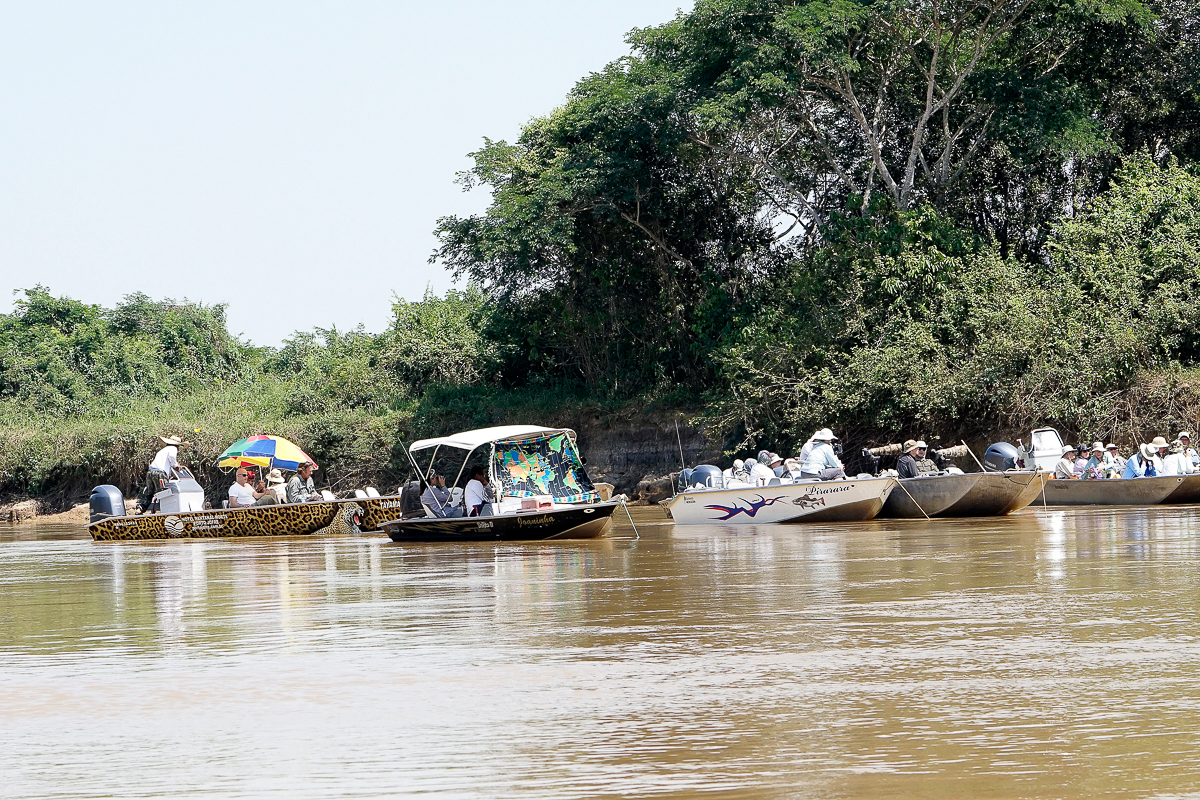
x,y
1118,463
300,488
1065,468
760,474
822,462
1081,458
1141,465
1098,464
1176,461
436,498
163,467
906,465
1186,439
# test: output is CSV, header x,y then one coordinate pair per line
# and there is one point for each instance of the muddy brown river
x,y
1050,654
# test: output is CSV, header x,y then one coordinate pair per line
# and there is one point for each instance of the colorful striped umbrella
x,y
264,451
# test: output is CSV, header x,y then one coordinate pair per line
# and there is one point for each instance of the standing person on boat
x,y
1098,463
436,498
822,462
906,465
1118,463
1065,468
1186,439
478,494
1141,465
300,488
1176,461
163,467
243,495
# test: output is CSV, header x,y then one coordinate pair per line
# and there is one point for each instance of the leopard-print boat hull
x,y
576,522
299,519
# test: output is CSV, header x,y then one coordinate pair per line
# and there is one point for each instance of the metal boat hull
x,y
816,501
927,495
576,522
1113,492
296,519
998,493
1187,492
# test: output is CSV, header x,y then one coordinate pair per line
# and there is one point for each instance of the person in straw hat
x,y
906,465
1141,465
277,485
1065,468
163,467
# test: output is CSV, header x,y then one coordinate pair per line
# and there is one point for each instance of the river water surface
x,y
1048,654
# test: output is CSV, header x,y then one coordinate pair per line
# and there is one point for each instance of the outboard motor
x,y
106,501
707,475
410,500
685,480
1001,457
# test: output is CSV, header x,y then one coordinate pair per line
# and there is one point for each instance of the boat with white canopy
x,y
540,488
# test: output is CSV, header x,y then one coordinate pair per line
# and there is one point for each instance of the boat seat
x,y
372,491
360,494
774,482
327,495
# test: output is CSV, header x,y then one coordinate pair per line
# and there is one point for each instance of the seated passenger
x,y
277,485
243,495
822,462
906,465
300,488
1081,458
1098,464
436,498
791,468
1065,468
478,494
740,473
760,474
1118,463
1142,464
1177,461
1185,438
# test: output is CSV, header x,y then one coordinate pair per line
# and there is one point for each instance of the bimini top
x,y
469,440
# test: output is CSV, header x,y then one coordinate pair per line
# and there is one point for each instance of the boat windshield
x,y
543,465
1047,440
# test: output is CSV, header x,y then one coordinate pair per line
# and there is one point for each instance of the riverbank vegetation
x,y
889,217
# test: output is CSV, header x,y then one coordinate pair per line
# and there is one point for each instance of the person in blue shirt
x,y
1142,464
821,461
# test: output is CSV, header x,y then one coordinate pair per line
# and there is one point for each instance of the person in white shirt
x,y
163,467
822,462
1118,463
1176,461
478,495
243,495
277,485
760,474
1065,468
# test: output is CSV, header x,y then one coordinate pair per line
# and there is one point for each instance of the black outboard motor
x,y
706,475
1002,456
685,480
106,501
410,500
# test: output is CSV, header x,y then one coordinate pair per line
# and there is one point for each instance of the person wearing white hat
x,y
277,485
1118,463
1097,464
1141,465
1176,461
163,467
1065,468
822,462
1186,439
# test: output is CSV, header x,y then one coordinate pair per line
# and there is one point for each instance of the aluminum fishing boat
x,y
927,495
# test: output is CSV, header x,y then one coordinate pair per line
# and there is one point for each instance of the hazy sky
x,y
289,159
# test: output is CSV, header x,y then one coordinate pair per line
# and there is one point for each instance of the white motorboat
x,y
713,500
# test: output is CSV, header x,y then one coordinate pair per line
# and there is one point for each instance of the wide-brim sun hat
x,y
1148,451
275,476
173,440
775,459
1159,441
1111,447
909,445
824,435
921,445
1068,449
1097,447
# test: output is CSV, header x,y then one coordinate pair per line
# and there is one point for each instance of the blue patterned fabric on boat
x,y
545,465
